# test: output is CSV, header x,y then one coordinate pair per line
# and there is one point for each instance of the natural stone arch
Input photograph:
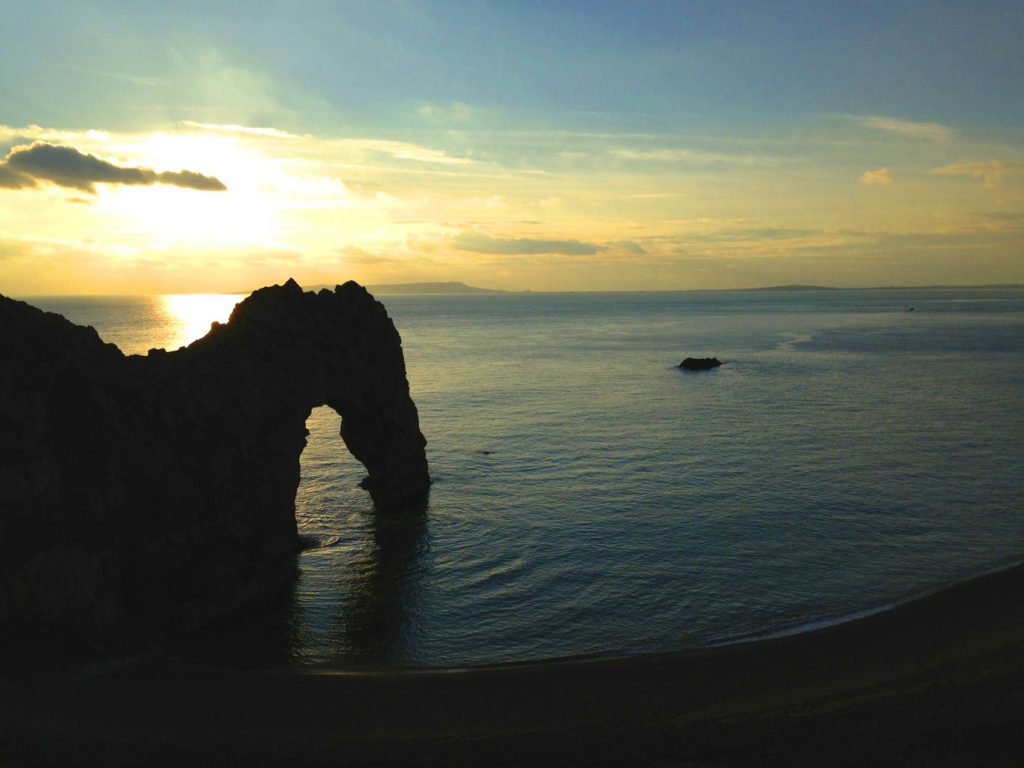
x,y
147,494
341,350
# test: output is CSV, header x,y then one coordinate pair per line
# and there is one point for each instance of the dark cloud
x,y
476,243
67,167
10,179
191,180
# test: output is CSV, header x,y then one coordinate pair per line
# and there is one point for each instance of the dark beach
x,y
935,681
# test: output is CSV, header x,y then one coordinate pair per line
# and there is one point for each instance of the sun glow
x,y
192,314
245,214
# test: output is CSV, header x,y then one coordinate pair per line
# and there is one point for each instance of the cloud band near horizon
x,y
26,165
478,243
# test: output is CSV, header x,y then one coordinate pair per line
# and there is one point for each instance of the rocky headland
x,y
141,496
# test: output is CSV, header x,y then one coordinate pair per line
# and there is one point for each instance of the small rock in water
x,y
700,363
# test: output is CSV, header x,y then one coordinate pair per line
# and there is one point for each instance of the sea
x,y
855,449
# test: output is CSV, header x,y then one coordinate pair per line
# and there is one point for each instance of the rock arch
x,y
142,495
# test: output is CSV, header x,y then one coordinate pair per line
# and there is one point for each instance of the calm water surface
x,y
590,497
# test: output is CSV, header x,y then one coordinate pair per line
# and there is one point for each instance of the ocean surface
x,y
592,498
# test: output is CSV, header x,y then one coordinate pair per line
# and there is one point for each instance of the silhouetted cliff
x,y
140,496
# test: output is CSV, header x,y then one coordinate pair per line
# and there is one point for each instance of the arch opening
x,y
331,479
353,590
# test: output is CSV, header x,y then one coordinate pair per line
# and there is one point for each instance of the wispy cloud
x,y
247,130
65,166
401,150
456,112
120,77
683,155
990,172
751,234
478,243
908,128
359,257
880,177
630,247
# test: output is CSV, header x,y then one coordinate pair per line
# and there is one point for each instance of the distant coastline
x,y
455,288
988,286
794,288
391,289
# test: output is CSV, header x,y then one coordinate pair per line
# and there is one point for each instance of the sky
x,y
217,147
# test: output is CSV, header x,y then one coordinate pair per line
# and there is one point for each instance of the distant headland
x,y
418,288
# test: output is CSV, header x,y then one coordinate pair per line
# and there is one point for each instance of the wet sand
x,y
935,682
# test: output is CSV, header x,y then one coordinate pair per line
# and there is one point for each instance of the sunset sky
x,y
203,147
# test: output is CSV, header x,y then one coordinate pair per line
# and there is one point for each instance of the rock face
x,y
140,496
700,363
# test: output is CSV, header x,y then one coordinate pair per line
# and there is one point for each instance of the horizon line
x,y
795,287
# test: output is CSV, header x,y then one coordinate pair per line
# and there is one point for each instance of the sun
x,y
190,315
160,215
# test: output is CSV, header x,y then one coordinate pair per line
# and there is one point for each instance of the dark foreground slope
x,y
140,496
936,682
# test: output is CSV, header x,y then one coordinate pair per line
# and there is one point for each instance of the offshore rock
x,y
144,496
700,363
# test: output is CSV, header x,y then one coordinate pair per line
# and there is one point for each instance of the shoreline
x,y
825,622
893,687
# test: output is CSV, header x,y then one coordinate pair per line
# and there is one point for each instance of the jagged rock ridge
x,y
143,495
